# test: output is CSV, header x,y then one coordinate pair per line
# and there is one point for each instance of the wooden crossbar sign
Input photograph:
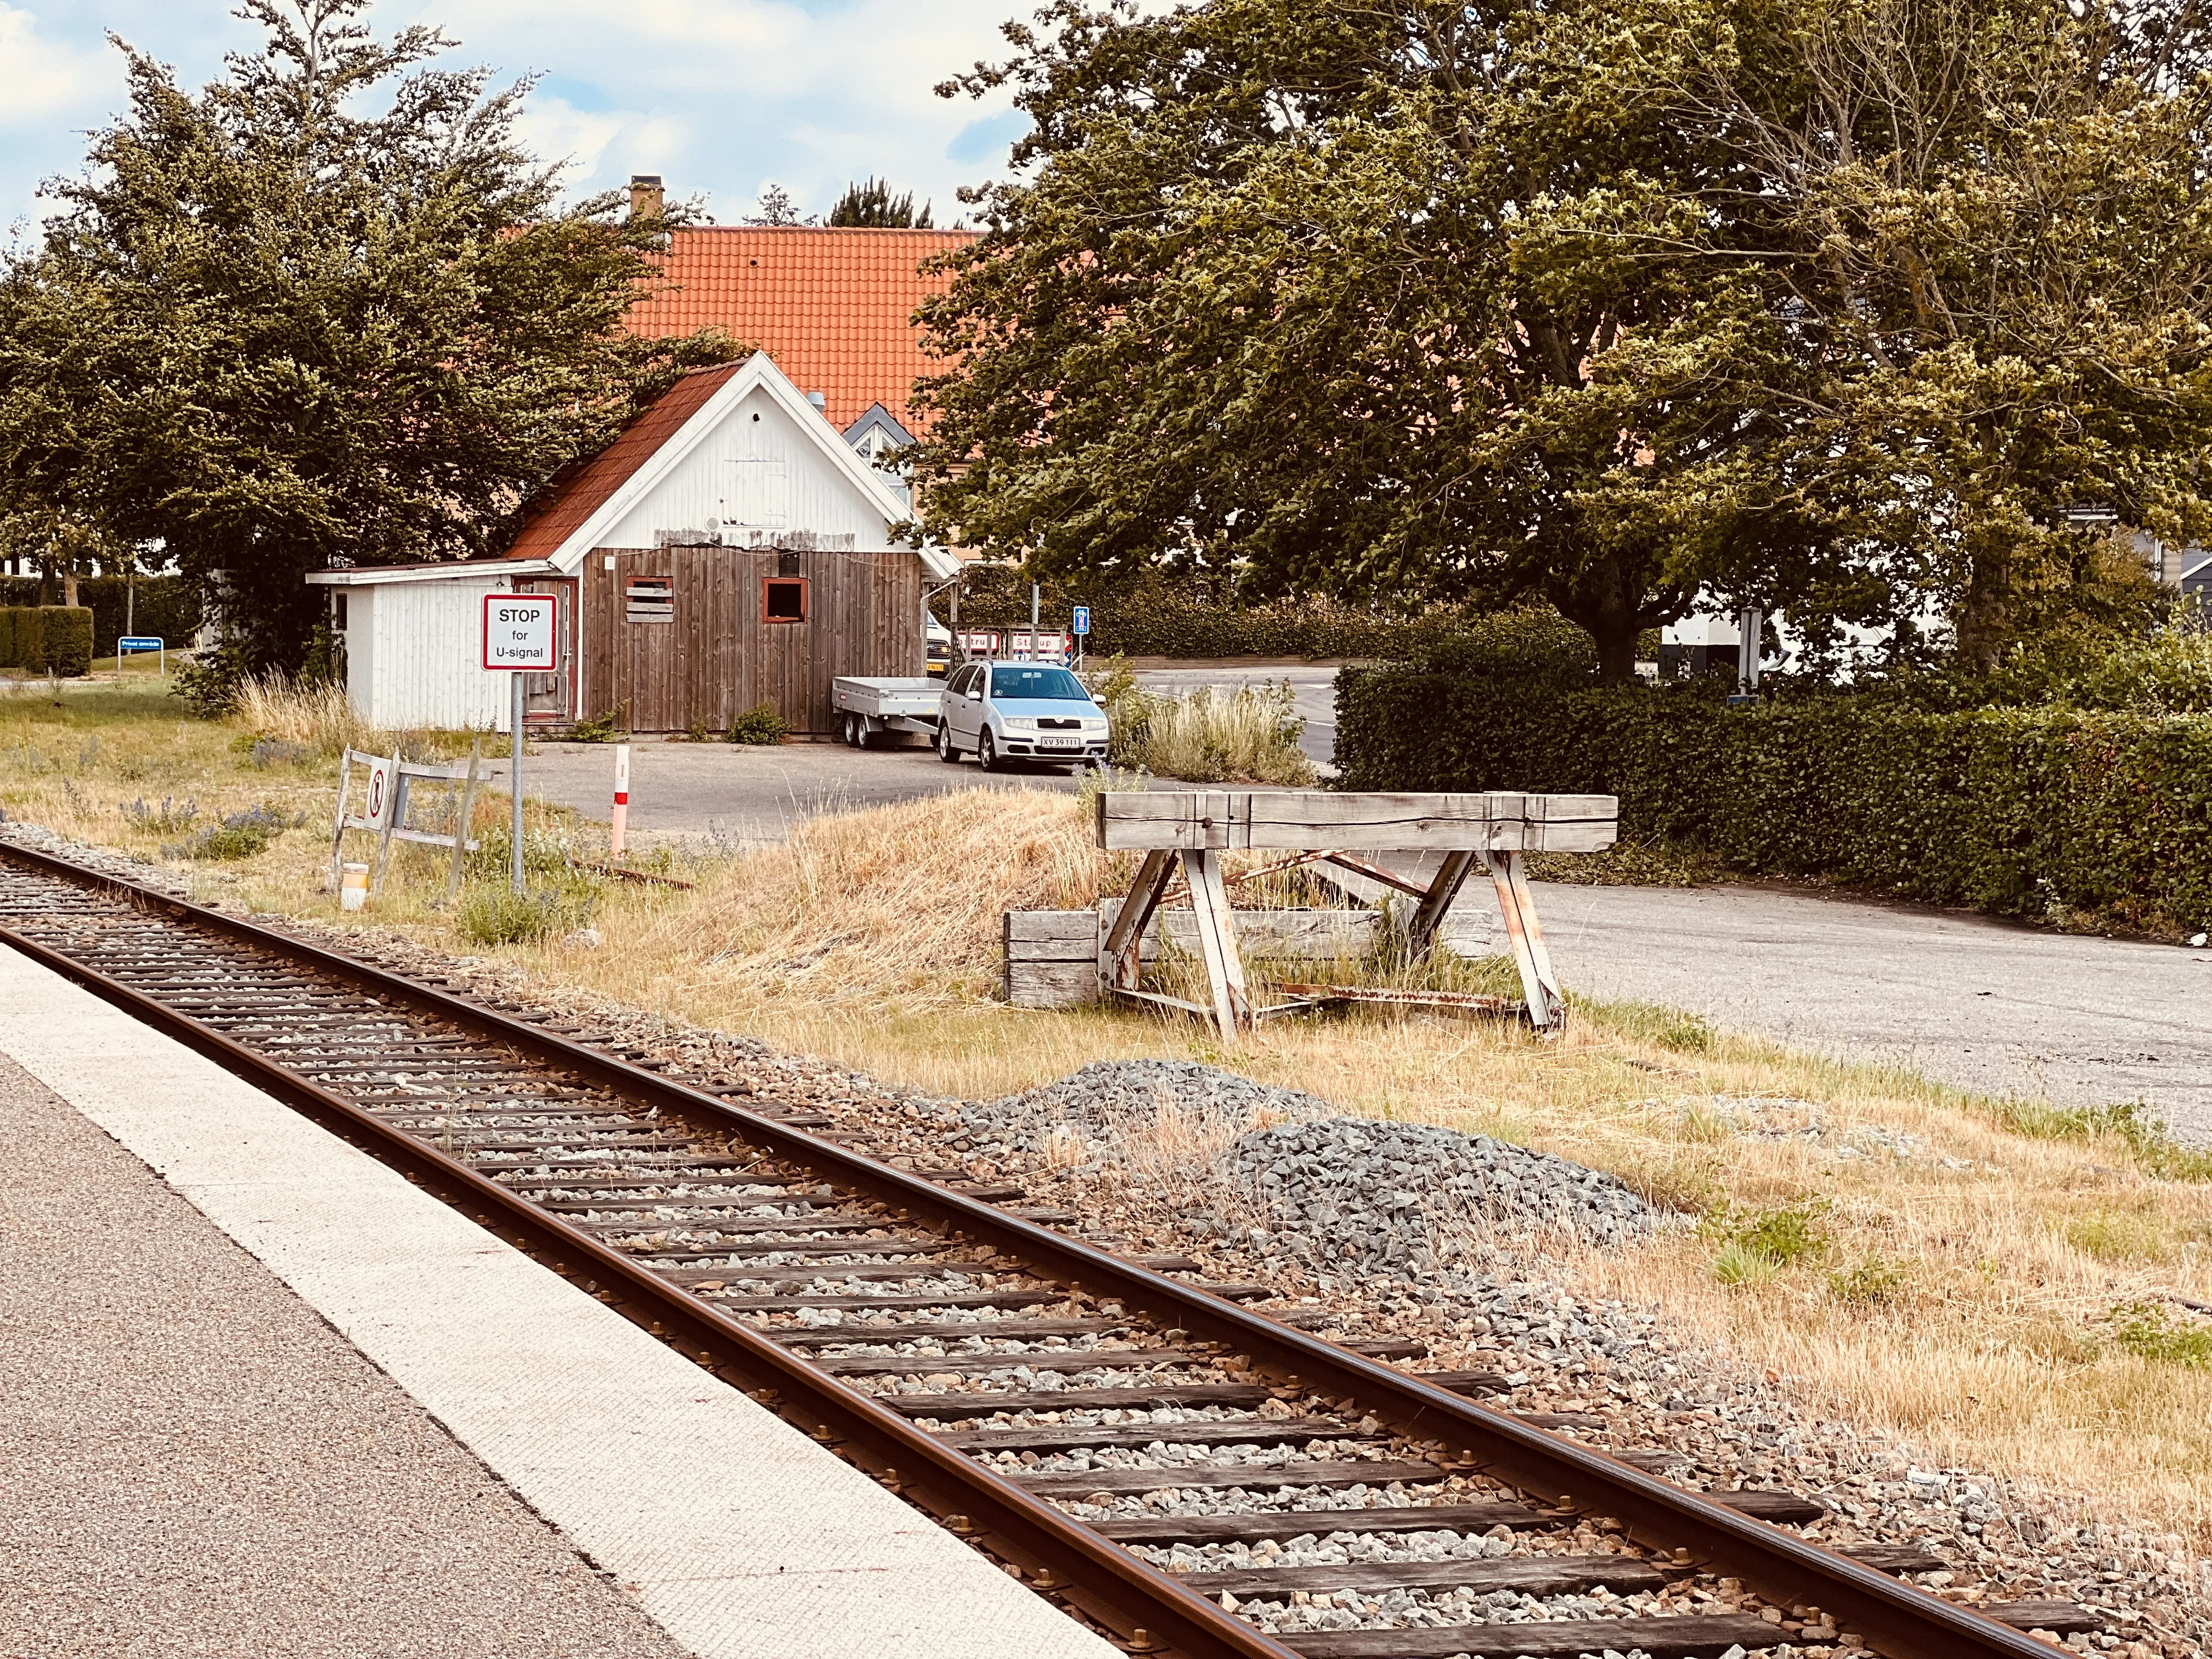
x,y
1493,830
383,809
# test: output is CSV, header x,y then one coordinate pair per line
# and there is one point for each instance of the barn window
x,y
783,598
652,600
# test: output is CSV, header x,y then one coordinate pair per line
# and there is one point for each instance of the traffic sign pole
x,y
520,637
514,836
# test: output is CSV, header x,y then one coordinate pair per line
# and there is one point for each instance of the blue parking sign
x,y
1082,623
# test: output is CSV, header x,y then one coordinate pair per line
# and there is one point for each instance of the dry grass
x,y
1250,735
1962,1294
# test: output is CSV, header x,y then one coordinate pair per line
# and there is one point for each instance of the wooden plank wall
x,y
717,658
1051,958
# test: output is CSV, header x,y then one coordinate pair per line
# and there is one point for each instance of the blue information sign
x,y
150,642
1082,624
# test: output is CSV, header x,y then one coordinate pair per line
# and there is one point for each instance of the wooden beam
x,y
1195,820
1429,914
1119,968
1539,989
1216,939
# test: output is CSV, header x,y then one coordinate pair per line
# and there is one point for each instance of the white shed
x,y
730,548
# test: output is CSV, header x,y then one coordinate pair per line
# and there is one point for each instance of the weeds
x,y
240,835
310,717
2150,1331
278,752
169,818
1250,735
1876,1282
1778,1238
761,725
602,728
492,913
2155,1150
2116,1235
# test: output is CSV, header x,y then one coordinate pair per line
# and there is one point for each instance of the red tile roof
x,y
573,496
834,308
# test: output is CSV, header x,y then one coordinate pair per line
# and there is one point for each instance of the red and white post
x,y
622,798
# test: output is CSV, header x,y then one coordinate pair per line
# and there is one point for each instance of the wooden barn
x,y
730,548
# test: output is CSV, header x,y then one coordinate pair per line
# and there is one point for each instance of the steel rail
x,y
1898,1620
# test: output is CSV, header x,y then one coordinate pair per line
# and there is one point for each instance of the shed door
x,y
553,697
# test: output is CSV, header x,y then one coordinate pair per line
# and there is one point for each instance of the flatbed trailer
x,y
869,708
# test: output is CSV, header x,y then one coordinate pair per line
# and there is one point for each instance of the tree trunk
x,y
1616,650
68,587
1985,617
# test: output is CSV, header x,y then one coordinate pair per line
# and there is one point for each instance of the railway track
x,y
1134,1441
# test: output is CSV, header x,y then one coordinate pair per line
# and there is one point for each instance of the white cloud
x,y
715,95
44,77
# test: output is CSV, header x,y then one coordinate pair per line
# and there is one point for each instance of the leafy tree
x,y
326,310
1991,218
776,208
1445,300
872,204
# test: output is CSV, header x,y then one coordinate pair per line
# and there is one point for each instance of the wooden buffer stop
x,y
1493,831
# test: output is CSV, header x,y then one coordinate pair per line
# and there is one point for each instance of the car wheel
x,y
945,751
987,752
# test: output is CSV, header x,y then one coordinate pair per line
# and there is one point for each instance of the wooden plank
x,y
1051,984
1316,821
1279,1524
1217,939
1696,1637
1252,1477
1529,1575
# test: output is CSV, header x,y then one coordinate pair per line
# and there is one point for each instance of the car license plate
x,y
1060,743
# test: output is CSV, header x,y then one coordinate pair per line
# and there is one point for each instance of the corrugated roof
x,y
572,497
834,308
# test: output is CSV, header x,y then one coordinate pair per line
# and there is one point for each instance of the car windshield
x,y
1054,683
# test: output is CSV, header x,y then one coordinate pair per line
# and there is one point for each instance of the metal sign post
x,y
132,643
520,637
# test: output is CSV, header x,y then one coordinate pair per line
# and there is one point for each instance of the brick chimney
x,y
646,195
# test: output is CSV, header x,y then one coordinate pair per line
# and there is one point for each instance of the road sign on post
x,y
1080,627
520,638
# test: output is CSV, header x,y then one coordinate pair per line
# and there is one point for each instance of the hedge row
x,y
51,638
1153,619
165,607
2020,811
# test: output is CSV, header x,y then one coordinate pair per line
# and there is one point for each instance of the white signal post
x,y
520,637
622,801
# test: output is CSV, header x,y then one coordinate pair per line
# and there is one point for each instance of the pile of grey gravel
x,y
1110,1096
1371,1195
1295,1177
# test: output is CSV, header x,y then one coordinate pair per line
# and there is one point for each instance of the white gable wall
x,y
756,469
414,651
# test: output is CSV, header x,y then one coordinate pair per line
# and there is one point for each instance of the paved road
x,y
1988,1005
728,797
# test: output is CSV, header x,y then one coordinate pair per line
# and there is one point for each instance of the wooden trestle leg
x,y
1539,989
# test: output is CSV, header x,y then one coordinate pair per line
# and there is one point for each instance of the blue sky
x,y
718,96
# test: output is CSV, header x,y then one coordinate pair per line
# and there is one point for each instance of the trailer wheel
x,y
852,731
945,751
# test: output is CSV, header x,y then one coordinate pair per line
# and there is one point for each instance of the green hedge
x,y
165,607
1158,619
66,639
2020,811
46,638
